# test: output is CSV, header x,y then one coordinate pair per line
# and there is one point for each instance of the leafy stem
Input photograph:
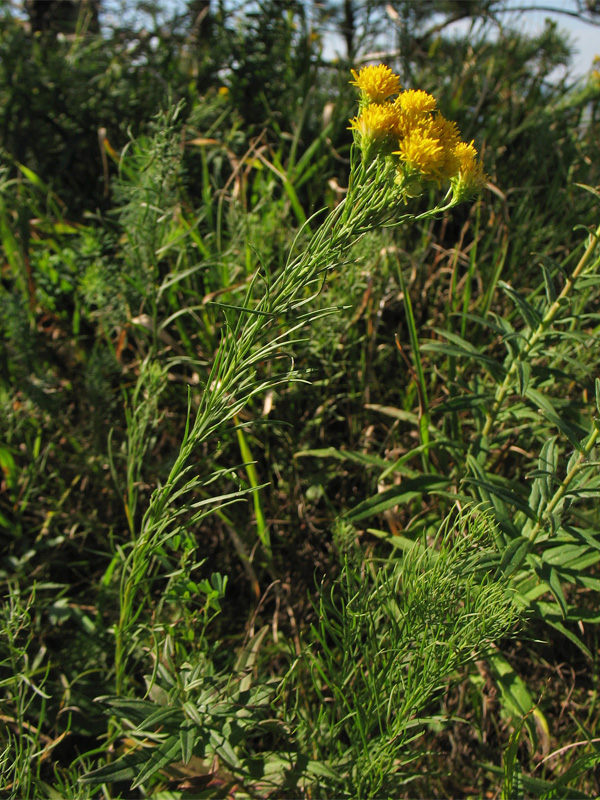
x,y
553,310
560,493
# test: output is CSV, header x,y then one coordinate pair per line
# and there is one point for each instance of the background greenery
x,y
347,627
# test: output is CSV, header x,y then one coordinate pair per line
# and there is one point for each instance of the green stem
x,y
546,322
564,486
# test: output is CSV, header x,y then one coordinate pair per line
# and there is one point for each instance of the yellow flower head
x,y
376,129
445,130
471,176
416,102
428,147
377,83
447,134
415,107
376,121
421,153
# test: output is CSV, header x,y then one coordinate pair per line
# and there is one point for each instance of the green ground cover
x,y
299,455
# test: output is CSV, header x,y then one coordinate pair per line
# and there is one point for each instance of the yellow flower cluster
x,y
411,131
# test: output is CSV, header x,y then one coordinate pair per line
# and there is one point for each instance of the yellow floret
x,y
377,83
376,121
416,102
466,154
428,146
471,176
414,108
421,153
448,135
445,130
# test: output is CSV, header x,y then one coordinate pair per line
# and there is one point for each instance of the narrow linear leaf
x,y
166,753
123,769
551,293
408,490
512,788
551,615
514,555
548,574
530,314
516,697
582,765
344,455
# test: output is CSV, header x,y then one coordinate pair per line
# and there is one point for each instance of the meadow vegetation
x,y
299,407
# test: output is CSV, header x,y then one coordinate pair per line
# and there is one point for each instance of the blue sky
x,y
584,37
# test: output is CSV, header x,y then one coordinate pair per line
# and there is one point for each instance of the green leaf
x,y
161,716
465,402
223,749
460,348
514,555
505,494
191,711
531,315
5,522
551,615
551,292
544,404
400,542
33,177
136,711
544,476
523,369
586,580
536,786
583,764
364,459
187,738
166,753
578,567
408,490
247,658
322,769
490,493
396,413
512,788
564,554
549,575
515,696
123,769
